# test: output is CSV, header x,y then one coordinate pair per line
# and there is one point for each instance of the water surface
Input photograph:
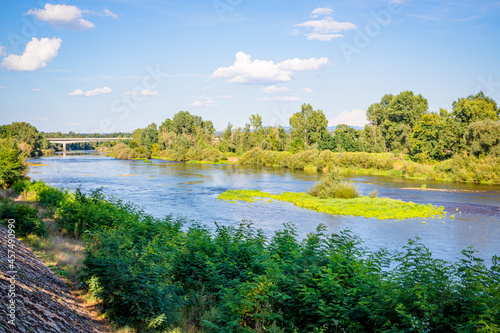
x,y
191,190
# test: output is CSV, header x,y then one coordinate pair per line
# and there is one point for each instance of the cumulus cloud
x,y
36,55
246,70
203,101
2,51
36,89
327,28
73,124
225,97
109,13
89,93
321,11
356,117
275,90
308,90
301,65
280,99
62,16
144,92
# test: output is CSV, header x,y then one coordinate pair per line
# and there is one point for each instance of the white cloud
x,y
301,65
203,101
2,51
356,117
323,37
280,99
144,92
321,11
327,28
3,88
42,118
327,25
206,88
36,89
246,70
308,90
36,55
225,97
73,124
62,16
275,90
109,13
89,93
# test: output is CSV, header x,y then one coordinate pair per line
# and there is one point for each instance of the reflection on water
x,y
191,190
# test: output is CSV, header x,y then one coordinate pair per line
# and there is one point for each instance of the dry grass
x,y
64,255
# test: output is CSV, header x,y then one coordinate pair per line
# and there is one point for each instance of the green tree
x,y
425,138
483,137
12,162
308,124
26,135
371,140
396,116
149,136
475,108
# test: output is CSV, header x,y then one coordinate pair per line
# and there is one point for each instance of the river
x,y
191,190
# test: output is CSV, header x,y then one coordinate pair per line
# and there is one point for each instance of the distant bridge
x,y
65,141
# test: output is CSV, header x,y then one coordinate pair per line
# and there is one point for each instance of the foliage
x,y
12,162
308,124
49,196
82,213
483,138
26,135
25,216
331,186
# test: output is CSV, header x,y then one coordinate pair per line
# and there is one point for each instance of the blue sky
x,y
116,65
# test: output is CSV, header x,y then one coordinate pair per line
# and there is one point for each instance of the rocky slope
x,y
43,303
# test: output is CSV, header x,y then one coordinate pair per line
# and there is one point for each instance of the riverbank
x,y
467,169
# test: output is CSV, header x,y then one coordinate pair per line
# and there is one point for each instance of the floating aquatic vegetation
x,y
381,208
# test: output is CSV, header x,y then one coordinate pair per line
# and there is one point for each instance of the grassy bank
x,y
169,274
381,208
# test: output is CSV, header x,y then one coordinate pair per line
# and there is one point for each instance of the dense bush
x,y
26,220
234,280
49,196
89,212
332,186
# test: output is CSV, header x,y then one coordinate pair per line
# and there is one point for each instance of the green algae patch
x,y
243,195
381,208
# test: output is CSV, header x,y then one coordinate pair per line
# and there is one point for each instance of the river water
x,y
191,190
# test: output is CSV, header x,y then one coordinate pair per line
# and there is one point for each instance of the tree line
x,y
398,123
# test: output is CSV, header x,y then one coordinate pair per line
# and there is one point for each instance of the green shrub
x,y
373,194
83,212
12,162
26,220
331,186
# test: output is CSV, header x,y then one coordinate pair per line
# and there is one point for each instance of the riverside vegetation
x,y
403,138
160,274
